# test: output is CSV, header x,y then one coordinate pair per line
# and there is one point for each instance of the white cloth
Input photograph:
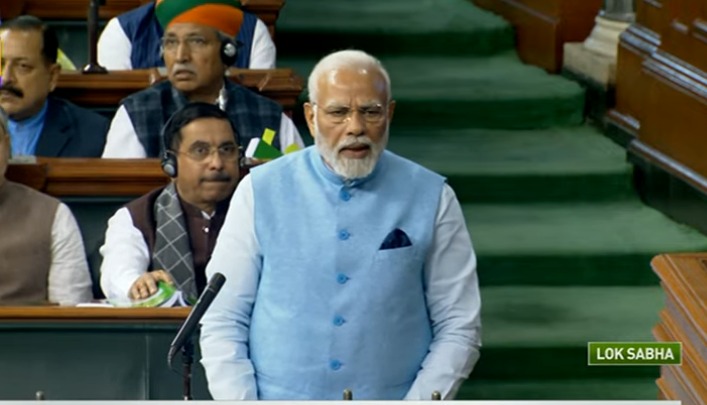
x,y
452,355
69,280
122,141
126,256
114,48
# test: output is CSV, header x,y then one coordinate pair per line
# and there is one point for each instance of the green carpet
x,y
563,243
550,165
462,92
390,26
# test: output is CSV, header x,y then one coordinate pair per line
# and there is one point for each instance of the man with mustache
x,y
168,234
197,50
347,266
42,258
132,41
40,124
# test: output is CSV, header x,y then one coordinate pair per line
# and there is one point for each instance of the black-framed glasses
x,y
372,114
200,153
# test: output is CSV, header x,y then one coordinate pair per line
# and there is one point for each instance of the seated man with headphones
x,y
132,40
168,234
197,48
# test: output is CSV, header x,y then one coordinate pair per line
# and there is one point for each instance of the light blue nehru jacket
x,y
333,311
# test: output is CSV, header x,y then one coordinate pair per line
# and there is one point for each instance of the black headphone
x,y
229,51
169,157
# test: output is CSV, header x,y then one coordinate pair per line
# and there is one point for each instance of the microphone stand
x,y
187,361
93,66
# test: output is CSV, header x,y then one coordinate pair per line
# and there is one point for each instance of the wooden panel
x,y
92,315
75,354
266,10
683,378
662,88
649,14
684,279
636,45
91,177
106,90
542,27
681,36
674,114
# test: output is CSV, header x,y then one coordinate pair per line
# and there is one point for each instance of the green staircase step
x,y
451,27
609,243
559,164
493,92
586,389
542,332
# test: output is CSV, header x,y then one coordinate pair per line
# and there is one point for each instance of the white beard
x,y
348,168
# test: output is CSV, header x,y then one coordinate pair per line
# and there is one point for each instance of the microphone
x,y
192,321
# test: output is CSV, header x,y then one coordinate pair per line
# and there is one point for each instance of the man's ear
x,y
54,71
309,116
391,110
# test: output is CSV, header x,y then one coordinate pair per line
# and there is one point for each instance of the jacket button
x,y
345,195
335,364
342,278
344,234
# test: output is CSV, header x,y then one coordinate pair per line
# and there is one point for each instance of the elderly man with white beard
x,y
347,266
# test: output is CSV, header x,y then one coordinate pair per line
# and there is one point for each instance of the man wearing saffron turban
x,y
197,49
132,40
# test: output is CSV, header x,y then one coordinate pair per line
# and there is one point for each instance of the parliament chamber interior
x,y
579,166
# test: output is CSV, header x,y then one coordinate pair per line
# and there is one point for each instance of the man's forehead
x,y
343,85
26,41
186,29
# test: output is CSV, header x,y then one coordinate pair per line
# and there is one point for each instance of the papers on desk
x,y
166,296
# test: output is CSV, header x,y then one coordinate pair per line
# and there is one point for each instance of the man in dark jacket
x,y
42,125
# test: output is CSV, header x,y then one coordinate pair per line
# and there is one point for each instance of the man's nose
x,y
355,124
8,76
215,161
183,52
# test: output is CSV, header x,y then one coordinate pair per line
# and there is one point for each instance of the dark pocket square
x,y
395,239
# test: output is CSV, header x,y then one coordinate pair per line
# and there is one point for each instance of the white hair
x,y
345,59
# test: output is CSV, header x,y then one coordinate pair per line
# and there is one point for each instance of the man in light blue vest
x,y
347,266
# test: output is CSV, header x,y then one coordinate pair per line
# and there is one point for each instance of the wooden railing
x,y
684,279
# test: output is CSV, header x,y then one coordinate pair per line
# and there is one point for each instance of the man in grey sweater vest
x,y
42,258
168,234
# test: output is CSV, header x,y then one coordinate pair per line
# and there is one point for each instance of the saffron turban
x,y
222,15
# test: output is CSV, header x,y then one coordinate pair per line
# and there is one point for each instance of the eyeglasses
x,y
199,153
372,114
194,43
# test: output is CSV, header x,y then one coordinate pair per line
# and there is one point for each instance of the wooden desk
x,y
107,90
266,10
91,354
58,177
